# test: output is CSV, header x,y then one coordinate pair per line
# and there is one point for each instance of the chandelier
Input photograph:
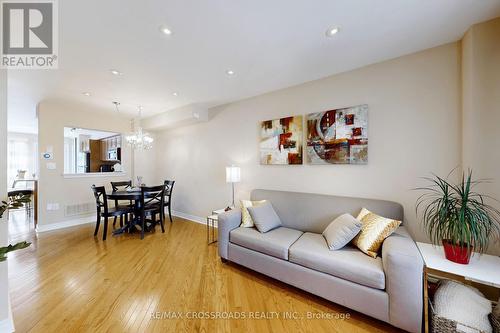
x,y
139,139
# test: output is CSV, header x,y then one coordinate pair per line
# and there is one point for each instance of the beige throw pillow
x,y
374,230
246,219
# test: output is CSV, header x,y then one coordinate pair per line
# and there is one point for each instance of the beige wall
x,y
414,129
481,105
53,116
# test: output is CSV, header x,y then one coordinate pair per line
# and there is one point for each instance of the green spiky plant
x,y
457,214
13,202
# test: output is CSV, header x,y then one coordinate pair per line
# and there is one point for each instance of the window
x,y
22,153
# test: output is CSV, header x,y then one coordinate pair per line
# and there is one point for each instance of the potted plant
x,y
458,217
13,202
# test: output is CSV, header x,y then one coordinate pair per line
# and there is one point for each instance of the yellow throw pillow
x,y
374,230
246,219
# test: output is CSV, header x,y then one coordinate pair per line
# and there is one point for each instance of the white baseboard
x,y
66,224
6,325
91,219
194,218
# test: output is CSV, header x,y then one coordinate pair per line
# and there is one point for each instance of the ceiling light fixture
x,y
164,29
230,72
86,94
115,72
139,139
175,94
332,31
117,104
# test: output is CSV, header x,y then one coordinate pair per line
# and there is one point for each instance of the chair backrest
x,y
101,200
169,187
121,185
152,195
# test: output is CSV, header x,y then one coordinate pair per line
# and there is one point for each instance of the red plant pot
x,y
456,253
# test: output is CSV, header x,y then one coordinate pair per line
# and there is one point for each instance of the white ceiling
x,y
71,132
269,44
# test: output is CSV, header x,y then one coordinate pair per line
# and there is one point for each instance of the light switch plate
x,y
51,166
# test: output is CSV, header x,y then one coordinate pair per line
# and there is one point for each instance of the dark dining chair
x,y
169,188
104,211
152,201
121,186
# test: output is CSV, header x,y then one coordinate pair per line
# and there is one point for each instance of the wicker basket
x,y
443,325
495,323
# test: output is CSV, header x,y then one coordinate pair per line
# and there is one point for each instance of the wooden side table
x,y
482,271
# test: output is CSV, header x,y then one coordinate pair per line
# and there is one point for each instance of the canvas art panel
x,y
338,136
281,141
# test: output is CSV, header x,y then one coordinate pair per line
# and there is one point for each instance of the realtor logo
x,y
29,34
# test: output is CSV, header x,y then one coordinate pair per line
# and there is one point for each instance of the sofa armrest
x,y
403,266
227,221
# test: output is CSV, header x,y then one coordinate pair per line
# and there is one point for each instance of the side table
x,y
212,221
482,270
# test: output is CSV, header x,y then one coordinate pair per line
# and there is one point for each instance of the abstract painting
x,y
281,141
338,136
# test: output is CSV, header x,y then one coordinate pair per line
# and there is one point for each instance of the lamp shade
x,y
233,174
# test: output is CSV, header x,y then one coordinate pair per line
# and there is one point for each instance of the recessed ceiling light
x,y
230,72
175,94
116,72
332,31
165,30
86,93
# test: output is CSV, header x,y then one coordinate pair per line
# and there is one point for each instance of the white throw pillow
x,y
341,231
246,218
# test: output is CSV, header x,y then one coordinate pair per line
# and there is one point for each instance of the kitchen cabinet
x,y
108,144
104,150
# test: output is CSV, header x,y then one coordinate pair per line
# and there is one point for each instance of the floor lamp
x,y
233,175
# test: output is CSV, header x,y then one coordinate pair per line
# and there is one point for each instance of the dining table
x,y
134,195
34,181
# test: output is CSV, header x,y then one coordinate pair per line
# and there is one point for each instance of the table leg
x,y
35,201
213,231
426,302
130,224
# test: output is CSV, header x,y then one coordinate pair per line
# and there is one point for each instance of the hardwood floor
x,y
69,281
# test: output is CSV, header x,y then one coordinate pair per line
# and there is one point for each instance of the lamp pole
x,y
233,193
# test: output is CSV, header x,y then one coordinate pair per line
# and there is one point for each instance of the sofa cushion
x,y
246,218
341,231
264,217
274,243
374,230
348,263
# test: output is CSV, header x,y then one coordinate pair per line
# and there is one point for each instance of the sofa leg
x,y
224,261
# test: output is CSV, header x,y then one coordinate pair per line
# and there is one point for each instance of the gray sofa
x,y
388,288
